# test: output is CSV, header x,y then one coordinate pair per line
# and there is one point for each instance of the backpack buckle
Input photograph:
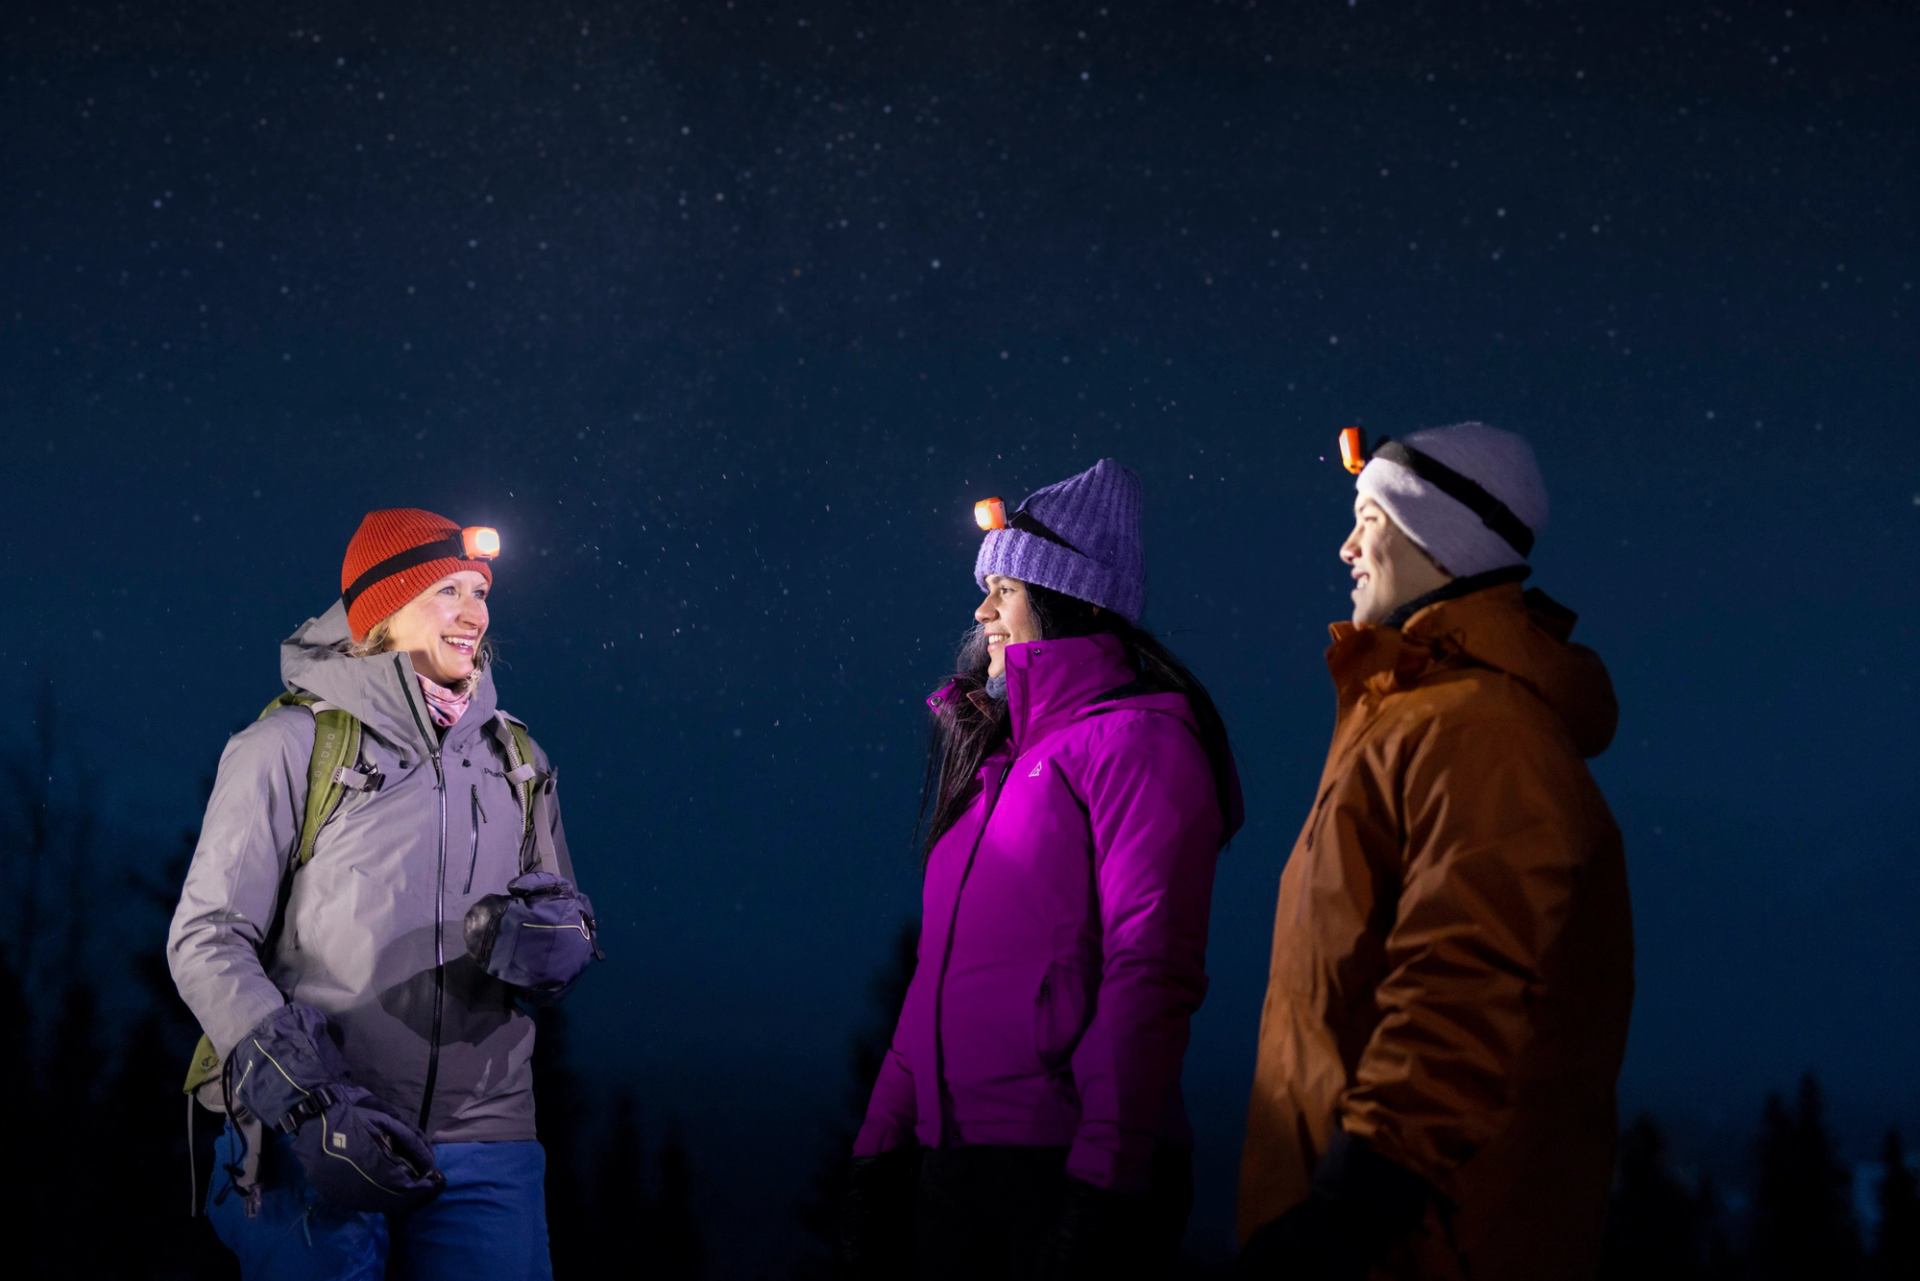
x,y
358,781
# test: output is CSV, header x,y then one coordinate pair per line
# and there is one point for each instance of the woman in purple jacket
x,y
1027,1120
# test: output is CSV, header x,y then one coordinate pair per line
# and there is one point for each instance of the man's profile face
x,y
1388,568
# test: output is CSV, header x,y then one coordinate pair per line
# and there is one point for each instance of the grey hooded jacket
x,y
371,928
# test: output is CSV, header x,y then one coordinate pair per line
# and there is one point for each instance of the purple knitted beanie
x,y
1097,558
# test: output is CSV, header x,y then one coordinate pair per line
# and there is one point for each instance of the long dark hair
x,y
970,724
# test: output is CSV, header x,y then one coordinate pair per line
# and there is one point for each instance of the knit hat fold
x,y
1097,558
1458,539
383,535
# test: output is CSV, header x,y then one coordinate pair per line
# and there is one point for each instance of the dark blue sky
x,y
725,314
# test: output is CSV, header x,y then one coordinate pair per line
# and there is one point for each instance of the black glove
x,y
1360,1207
357,1152
1092,1236
538,937
876,1215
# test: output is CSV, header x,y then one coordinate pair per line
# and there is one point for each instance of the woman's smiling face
x,y
440,629
1006,618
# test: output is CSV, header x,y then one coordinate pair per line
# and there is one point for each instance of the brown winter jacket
x,y
1453,952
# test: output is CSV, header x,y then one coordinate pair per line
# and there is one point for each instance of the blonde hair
x,y
379,640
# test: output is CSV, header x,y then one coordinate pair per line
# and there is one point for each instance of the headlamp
x,y
479,542
1353,449
991,514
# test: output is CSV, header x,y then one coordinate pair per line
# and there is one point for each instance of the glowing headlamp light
x,y
1353,449
990,514
479,542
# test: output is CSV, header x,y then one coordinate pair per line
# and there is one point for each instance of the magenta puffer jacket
x,y
1064,929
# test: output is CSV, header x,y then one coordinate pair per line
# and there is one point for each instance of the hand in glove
x,y
1094,1236
357,1152
1360,1207
876,1215
537,937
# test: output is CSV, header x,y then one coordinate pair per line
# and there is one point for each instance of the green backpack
x,y
336,750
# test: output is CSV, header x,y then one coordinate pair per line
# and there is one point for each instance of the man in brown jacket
x,y
1453,955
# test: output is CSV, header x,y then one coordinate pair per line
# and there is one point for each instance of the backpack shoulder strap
x,y
534,789
522,772
330,770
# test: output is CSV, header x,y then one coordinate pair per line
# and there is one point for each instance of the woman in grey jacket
x,y
365,996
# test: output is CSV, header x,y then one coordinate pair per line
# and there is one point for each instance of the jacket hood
x,y
381,691
1522,635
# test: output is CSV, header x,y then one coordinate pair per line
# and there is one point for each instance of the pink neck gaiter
x,y
443,704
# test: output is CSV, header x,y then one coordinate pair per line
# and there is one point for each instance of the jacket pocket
x,y
1059,1014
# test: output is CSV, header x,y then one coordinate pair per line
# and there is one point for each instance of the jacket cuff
x,y
236,1021
1112,1166
881,1134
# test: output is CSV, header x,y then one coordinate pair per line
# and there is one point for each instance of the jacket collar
x,y
1454,589
1050,681
1525,636
380,691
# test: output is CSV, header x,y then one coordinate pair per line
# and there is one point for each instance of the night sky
x,y
724,314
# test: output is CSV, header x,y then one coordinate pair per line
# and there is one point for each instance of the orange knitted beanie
x,y
396,554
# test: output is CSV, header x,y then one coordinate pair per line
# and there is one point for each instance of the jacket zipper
x,y
479,816
946,955
439,899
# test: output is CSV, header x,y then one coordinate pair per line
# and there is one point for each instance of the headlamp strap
x,y
1027,522
453,547
1496,515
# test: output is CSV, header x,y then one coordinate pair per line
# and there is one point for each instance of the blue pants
x,y
489,1225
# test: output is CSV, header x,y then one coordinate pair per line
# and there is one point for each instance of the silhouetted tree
x,y
16,1068
1803,1205
57,1112
560,1113
97,1099
165,1235
70,1131
1896,1251
630,1230
676,1227
1720,1260
623,1214
1656,1226
21,1081
819,1212
29,838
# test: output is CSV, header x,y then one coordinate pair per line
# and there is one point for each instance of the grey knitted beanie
x,y
1463,543
1080,536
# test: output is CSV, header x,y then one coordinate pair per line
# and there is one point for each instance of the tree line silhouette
x,y
106,1141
